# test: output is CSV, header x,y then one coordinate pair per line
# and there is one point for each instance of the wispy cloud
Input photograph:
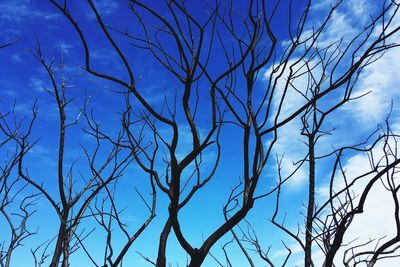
x,y
290,144
9,92
23,108
383,83
379,207
105,7
64,47
16,58
354,120
18,10
37,84
40,150
380,79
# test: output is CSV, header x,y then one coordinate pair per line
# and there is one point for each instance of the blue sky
x,y
24,81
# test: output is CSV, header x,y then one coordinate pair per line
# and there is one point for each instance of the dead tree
x,y
75,194
216,60
104,210
16,205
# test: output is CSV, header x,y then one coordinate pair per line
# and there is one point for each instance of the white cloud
x,y
382,79
16,58
64,47
340,27
185,142
292,150
295,248
362,114
292,99
23,108
359,10
359,115
37,84
40,150
378,209
105,8
9,92
290,141
18,10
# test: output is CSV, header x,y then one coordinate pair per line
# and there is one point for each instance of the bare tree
x,y
16,205
229,71
75,195
232,97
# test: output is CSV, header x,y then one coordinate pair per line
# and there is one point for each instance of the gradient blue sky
x,y
22,80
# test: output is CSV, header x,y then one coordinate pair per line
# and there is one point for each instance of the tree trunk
x,y
311,202
62,235
161,259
